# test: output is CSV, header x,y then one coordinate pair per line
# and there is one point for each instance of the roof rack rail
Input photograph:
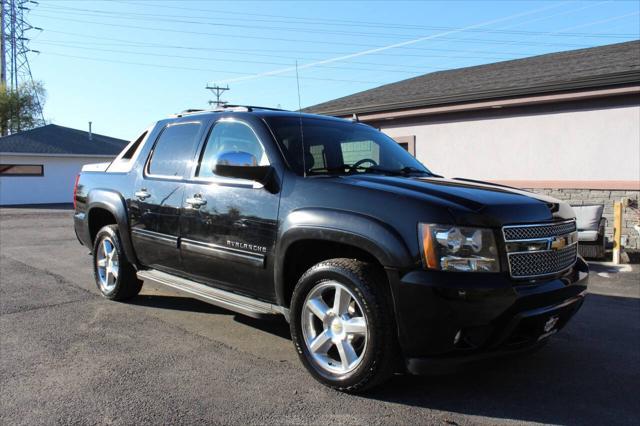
x,y
252,107
226,107
186,112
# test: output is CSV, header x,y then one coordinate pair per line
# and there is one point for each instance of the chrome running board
x,y
224,299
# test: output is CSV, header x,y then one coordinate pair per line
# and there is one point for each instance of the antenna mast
x,y
304,161
217,92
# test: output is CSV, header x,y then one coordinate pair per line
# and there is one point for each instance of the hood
x,y
472,202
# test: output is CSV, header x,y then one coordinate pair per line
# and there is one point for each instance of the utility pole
x,y
217,92
15,46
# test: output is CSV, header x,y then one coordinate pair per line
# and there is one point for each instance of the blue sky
x,y
124,64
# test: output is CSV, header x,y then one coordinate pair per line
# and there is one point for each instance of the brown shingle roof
x,y
602,66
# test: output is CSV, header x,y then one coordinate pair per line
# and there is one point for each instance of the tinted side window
x,y
174,149
134,147
229,136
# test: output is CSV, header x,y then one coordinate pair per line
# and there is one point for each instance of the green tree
x,y
20,109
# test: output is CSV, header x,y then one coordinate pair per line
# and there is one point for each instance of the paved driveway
x,y
70,356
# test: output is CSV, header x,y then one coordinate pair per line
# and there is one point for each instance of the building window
x,y
21,170
408,143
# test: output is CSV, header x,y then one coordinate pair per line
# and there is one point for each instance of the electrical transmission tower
x,y
217,92
16,72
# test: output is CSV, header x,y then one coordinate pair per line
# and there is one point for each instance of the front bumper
x,y
454,318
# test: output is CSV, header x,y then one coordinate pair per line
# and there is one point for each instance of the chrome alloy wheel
x,y
334,328
107,265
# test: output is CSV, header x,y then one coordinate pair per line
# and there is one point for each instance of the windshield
x,y
339,148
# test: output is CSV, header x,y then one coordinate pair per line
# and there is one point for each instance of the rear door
x,y
157,198
229,225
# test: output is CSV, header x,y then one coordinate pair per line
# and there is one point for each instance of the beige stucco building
x,y
566,124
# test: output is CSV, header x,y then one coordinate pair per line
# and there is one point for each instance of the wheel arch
x,y
340,234
100,203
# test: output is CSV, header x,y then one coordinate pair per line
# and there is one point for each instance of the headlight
x,y
457,248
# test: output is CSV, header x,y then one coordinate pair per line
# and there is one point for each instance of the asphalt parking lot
x,y
69,356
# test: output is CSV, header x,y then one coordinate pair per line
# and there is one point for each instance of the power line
x,y
153,17
353,55
246,61
537,19
601,21
391,46
346,56
243,52
320,63
114,61
340,58
329,22
308,51
298,41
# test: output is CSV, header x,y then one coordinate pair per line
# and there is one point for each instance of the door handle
x,y
142,194
196,201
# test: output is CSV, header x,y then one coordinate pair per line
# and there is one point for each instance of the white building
x,y
566,124
39,166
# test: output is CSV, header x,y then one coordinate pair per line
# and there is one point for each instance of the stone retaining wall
x,y
631,215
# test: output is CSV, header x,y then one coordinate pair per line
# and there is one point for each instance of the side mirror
x,y
241,165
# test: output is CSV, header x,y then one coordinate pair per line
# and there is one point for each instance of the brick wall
x,y
606,197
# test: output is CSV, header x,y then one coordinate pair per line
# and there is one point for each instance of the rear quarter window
x,y
174,150
128,154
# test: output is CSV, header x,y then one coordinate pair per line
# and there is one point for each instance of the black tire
x,y
126,285
368,286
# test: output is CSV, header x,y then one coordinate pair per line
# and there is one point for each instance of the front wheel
x,y
342,324
115,276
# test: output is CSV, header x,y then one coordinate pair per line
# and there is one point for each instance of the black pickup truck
x,y
378,264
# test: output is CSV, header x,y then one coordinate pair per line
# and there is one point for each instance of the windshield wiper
x,y
347,169
405,171
343,168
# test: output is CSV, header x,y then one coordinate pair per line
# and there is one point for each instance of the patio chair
x,y
591,225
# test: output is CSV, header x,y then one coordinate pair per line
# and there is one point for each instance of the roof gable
x,y
54,139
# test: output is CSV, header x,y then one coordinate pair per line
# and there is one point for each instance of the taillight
x,y
75,191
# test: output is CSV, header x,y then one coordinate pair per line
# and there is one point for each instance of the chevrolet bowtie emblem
x,y
558,243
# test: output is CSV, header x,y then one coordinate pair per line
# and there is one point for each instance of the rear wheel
x,y
115,276
342,324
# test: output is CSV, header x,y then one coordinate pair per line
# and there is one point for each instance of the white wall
x,y
585,145
56,186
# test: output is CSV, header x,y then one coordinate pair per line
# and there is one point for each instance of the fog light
x,y
456,339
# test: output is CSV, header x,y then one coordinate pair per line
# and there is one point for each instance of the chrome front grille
x,y
529,232
540,263
540,249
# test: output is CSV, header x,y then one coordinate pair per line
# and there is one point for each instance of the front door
x,y
157,199
228,226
